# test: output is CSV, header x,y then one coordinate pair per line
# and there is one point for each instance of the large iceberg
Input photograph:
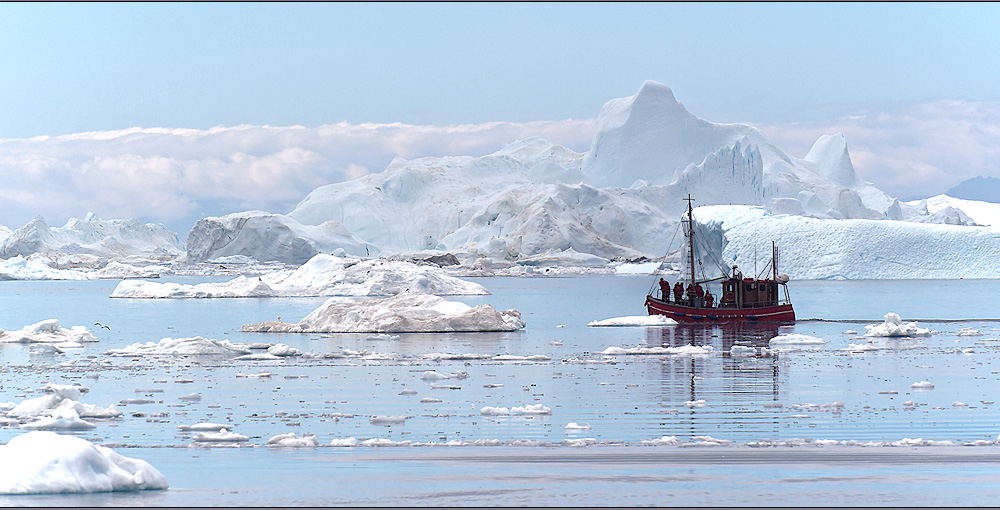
x,y
405,313
266,237
817,249
116,238
533,200
323,275
48,463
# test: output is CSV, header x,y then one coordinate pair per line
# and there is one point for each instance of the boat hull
x,y
690,314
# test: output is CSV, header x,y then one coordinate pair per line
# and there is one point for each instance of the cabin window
x,y
748,287
761,287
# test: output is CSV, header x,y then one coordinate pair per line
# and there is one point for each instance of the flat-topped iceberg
x,y
182,346
405,313
635,320
323,275
48,463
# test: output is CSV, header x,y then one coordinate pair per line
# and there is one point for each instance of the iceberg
x,y
44,462
322,275
405,313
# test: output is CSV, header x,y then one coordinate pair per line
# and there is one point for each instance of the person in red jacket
x,y
664,289
678,292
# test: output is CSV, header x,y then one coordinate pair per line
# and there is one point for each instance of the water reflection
x,y
720,336
699,394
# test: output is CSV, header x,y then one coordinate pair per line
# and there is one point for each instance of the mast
x,y
691,237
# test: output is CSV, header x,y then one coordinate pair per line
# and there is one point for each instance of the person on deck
x,y
664,289
698,291
678,292
709,298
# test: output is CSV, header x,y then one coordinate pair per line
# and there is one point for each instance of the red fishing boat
x,y
741,299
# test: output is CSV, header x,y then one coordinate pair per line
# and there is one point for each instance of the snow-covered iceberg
x,y
109,239
48,463
534,202
405,313
322,275
48,331
266,237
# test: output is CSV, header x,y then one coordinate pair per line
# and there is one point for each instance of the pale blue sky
x,y
69,67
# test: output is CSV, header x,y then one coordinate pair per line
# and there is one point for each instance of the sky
x,y
913,87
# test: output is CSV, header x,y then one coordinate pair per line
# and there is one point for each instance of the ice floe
x,y
894,326
223,435
635,320
291,440
397,314
793,339
682,350
42,462
61,419
182,346
48,331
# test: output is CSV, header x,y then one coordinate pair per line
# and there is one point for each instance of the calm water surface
x,y
815,392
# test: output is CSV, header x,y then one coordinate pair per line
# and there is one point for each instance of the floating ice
x,y
968,332
47,331
200,427
388,420
49,463
291,440
402,313
635,320
922,385
61,419
494,411
222,436
663,441
350,441
530,409
893,326
695,403
796,339
571,426
181,346
323,275
683,350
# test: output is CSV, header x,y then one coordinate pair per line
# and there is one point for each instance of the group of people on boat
x,y
693,295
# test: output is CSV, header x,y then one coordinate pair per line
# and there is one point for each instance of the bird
x,y
102,325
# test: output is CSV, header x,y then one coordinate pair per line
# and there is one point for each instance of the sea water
x,y
800,394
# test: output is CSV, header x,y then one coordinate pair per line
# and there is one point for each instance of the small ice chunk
x,y
574,426
291,440
222,436
922,385
531,409
635,320
204,427
350,441
388,420
894,326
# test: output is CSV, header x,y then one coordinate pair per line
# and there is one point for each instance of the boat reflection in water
x,y
701,395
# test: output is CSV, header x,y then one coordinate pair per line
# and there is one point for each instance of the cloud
x,y
910,150
177,176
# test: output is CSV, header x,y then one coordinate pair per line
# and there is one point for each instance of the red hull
x,y
690,314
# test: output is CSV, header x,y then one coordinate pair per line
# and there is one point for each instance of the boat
x,y
741,299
